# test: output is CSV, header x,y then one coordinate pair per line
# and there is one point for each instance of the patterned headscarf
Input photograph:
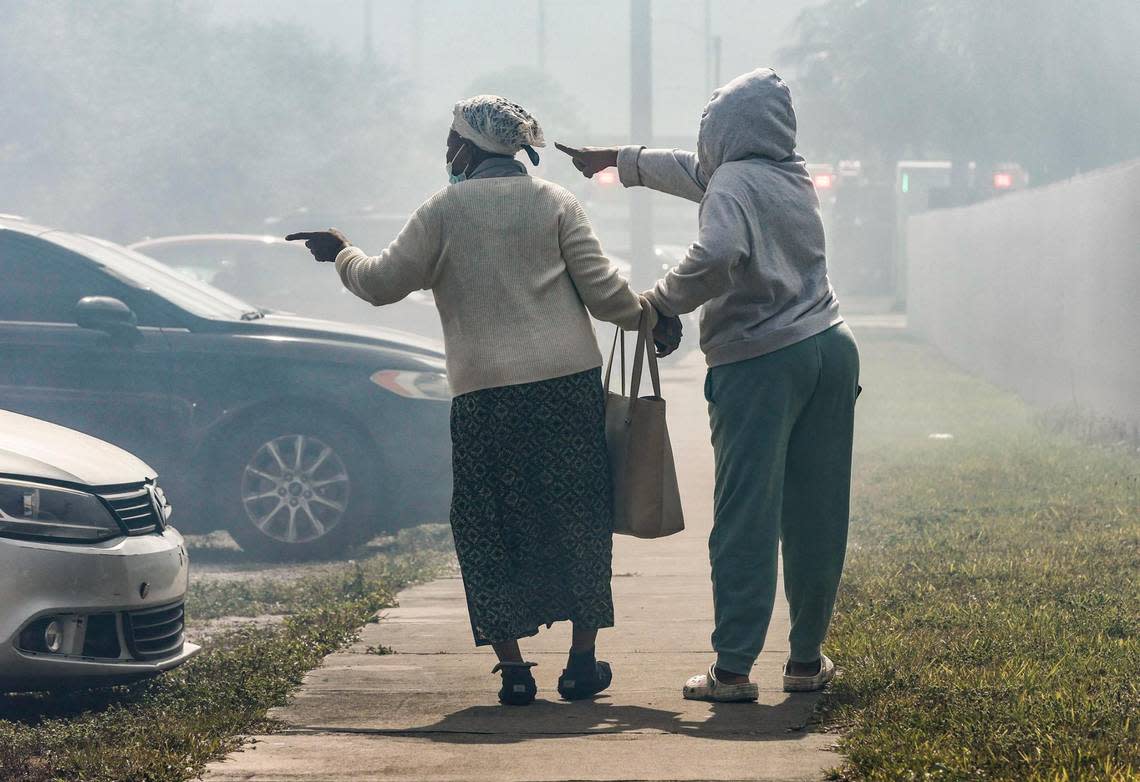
x,y
498,125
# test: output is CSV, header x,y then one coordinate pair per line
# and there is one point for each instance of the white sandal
x,y
810,683
706,687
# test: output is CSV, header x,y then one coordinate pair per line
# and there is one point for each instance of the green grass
x,y
168,728
416,551
989,618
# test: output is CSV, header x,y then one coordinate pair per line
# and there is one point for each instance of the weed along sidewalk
x,y
428,711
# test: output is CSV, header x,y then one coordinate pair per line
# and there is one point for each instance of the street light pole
x,y
641,132
709,85
716,63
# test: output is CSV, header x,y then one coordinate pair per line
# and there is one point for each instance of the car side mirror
x,y
106,314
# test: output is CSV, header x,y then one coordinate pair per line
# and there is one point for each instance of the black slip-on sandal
x,y
576,685
518,687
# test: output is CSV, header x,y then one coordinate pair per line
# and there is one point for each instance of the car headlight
x,y
36,512
413,385
163,504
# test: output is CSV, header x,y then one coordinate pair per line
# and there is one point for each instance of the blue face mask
x,y
453,178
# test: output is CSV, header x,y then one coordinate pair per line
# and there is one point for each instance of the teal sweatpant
x,y
782,427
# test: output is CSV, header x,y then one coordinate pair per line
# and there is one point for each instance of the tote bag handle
x,y
644,346
619,336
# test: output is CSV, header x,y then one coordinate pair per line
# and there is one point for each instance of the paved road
x,y
428,712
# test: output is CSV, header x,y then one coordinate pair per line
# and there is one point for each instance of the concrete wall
x,y
1039,291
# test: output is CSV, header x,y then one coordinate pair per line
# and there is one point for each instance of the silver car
x,y
92,578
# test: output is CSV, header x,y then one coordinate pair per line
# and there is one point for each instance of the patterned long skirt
x,y
531,506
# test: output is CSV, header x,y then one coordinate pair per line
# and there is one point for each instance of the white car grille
x,y
153,633
136,511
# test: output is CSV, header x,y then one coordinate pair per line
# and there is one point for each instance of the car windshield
x,y
229,264
138,270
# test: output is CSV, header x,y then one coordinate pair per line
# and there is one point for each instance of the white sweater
x,y
514,266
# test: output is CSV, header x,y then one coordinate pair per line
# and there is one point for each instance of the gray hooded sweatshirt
x,y
758,264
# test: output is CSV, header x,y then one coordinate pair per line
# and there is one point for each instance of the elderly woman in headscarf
x,y
516,271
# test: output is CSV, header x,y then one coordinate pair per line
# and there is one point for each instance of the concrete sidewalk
x,y
429,711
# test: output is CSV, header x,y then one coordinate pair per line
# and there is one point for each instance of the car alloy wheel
x,y
295,489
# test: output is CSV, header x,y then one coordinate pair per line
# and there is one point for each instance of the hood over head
x,y
750,117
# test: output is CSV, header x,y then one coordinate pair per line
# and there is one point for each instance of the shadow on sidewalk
x,y
548,719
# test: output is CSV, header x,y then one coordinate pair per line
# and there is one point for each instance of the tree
x,y
1047,83
138,117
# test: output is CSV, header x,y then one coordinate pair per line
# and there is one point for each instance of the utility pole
x,y
641,132
716,63
709,84
542,36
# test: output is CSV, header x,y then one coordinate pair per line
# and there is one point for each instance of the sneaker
x,y
576,685
810,683
706,687
518,687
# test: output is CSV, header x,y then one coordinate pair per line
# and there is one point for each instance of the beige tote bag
x,y
647,503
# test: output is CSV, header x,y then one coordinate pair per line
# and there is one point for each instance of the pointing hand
x,y
590,160
324,245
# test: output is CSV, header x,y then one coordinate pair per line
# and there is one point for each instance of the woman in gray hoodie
x,y
783,373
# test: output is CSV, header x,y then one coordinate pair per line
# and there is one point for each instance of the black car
x,y
299,436
282,276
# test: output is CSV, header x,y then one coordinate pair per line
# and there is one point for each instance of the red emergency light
x,y
606,177
1003,180
824,181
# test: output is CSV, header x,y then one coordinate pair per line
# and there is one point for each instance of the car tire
x,y
279,511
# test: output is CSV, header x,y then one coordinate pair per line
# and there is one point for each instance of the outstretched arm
x,y
404,266
671,171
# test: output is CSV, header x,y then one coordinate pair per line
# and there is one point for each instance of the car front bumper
x,y
118,606
43,672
